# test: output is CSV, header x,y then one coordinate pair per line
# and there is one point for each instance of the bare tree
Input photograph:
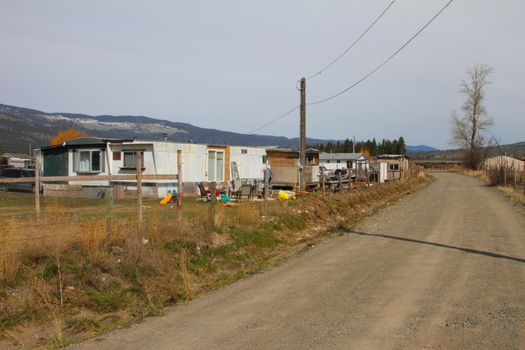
x,y
467,131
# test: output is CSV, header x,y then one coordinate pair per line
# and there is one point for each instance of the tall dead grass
x,y
52,307
11,248
184,274
112,266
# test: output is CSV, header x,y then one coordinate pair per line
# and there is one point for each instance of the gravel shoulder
x,y
442,269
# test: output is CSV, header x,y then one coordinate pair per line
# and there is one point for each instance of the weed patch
x,y
108,301
102,268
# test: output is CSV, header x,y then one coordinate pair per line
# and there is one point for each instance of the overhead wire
x,y
365,76
274,120
354,42
385,61
329,65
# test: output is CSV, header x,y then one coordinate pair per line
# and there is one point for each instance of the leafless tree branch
x,y
467,131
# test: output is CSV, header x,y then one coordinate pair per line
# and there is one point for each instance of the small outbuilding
x,y
284,165
396,166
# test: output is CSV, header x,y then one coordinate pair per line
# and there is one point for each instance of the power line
x,y
274,120
385,61
329,65
364,77
353,43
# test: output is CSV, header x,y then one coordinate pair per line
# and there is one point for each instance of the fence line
x,y
138,177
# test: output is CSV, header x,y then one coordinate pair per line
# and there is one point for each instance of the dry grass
x,y
74,262
184,274
52,308
495,178
515,194
10,253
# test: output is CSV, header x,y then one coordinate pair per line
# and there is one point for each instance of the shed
x,y
396,166
284,165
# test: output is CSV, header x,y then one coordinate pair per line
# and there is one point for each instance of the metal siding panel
x,y
55,162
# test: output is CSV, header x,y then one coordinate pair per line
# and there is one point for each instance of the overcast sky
x,y
233,65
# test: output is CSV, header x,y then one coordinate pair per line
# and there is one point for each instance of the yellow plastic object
x,y
283,196
166,199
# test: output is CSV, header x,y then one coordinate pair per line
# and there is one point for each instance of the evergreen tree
x,y
401,148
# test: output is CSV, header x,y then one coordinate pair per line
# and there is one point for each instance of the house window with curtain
x,y
129,159
89,161
215,165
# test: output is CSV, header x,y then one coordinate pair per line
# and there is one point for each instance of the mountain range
x,y
22,127
420,148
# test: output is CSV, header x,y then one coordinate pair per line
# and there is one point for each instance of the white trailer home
x,y
335,161
200,163
251,162
158,158
11,161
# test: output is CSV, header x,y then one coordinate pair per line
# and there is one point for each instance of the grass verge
x,y
86,275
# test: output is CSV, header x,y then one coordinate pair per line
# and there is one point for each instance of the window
x,y
310,159
89,162
215,165
349,164
394,166
264,159
244,151
130,157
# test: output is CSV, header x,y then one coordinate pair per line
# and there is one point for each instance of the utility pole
x,y
36,188
179,178
138,165
302,136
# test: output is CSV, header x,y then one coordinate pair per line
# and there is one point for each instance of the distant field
x,y
516,150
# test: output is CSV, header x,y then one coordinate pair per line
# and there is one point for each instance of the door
x,y
215,166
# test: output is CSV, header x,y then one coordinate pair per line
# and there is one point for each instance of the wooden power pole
x,y
179,178
138,165
302,136
36,188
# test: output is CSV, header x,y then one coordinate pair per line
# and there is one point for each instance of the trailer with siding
x,y
201,163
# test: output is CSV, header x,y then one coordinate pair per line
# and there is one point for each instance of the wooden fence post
x,y
515,184
505,175
322,182
138,165
37,188
266,184
109,212
366,175
179,178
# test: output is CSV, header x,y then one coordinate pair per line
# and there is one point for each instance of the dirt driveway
x,y
442,269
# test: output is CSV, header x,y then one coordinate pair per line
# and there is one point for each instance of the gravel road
x,y
442,269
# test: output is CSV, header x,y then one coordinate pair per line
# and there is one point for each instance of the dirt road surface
x,y
442,269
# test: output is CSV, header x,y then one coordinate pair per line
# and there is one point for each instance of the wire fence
x,y
506,174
